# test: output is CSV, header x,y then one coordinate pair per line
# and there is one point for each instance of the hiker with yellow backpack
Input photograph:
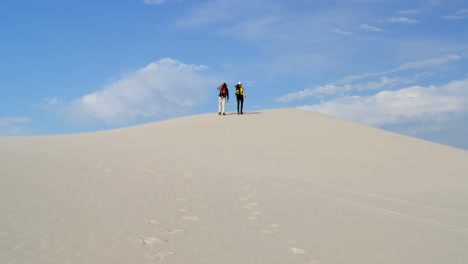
x,y
240,96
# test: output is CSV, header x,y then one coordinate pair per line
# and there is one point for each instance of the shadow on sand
x,y
245,113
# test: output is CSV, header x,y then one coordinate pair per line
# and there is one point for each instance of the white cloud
x,y
412,104
213,12
164,87
50,102
407,66
342,32
154,2
430,62
10,121
370,28
433,3
403,20
329,89
408,12
384,82
13,126
332,89
452,17
463,12
348,83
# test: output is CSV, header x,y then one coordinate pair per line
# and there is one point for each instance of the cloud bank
x,y
411,104
161,88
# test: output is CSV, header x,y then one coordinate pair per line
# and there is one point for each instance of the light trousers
x,y
221,104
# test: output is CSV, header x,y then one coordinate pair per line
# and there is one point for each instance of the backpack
x,y
239,90
223,91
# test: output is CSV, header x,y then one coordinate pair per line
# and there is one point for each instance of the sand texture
x,y
274,186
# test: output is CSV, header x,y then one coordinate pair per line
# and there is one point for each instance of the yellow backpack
x,y
239,90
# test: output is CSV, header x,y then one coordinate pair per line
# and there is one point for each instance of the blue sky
x,y
80,66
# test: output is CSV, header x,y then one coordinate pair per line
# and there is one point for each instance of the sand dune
x,y
276,186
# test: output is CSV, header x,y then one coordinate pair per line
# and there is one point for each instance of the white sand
x,y
277,186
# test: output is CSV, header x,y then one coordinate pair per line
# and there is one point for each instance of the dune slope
x,y
275,186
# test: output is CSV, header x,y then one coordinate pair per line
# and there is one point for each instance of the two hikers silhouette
x,y
224,98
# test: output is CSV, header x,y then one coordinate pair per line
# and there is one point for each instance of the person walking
x,y
240,96
223,98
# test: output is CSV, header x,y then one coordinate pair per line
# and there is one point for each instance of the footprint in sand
x,y
101,167
249,196
253,194
183,210
253,218
250,206
255,215
162,255
189,217
192,218
296,251
266,232
188,174
152,222
153,240
269,231
174,231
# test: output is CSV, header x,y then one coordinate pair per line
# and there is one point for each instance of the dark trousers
x,y
240,103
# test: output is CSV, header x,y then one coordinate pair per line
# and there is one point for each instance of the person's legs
x,y
219,105
238,104
241,105
223,105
